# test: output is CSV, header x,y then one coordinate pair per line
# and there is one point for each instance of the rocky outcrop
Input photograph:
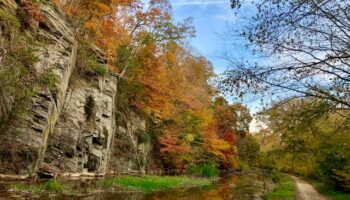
x,y
82,143
131,145
58,57
72,128
97,144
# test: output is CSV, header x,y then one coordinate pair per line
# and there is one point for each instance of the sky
x,y
210,19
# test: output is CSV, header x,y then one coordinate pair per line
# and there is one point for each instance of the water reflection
x,y
229,187
249,186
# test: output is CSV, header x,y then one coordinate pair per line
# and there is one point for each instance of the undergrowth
x,y
284,188
52,186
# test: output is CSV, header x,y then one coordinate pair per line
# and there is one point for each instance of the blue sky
x,y
210,19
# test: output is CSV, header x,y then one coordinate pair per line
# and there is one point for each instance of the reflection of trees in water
x,y
250,185
245,187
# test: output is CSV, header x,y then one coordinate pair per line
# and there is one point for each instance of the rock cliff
x,y
72,128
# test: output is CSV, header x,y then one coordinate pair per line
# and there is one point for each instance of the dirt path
x,y
307,191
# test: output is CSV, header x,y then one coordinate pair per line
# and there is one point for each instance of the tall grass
x,y
53,186
284,189
154,183
329,191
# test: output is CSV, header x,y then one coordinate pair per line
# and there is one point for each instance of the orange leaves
x,y
103,8
124,2
162,79
152,76
222,128
174,150
91,25
172,144
218,147
104,23
223,149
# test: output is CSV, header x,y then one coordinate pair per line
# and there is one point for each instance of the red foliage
x,y
31,15
230,138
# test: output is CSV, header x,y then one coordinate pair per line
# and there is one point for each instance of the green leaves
x,y
314,137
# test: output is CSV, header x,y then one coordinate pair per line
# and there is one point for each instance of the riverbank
x,y
284,188
251,184
145,184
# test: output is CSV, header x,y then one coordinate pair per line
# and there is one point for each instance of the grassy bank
x,y
52,186
284,188
126,183
153,183
329,191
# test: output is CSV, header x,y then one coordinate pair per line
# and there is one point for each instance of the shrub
x,y
23,56
38,189
15,77
15,157
204,170
87,62
50,79
143,137
98,68
330,191
10,23
276,176
32,189
53,186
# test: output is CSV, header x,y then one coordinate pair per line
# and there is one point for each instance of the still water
x,y
249,186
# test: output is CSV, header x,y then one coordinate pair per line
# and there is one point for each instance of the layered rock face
x,y
132,148
82,143
73,129
58,56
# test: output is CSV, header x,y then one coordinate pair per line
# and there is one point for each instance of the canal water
x,y
249,186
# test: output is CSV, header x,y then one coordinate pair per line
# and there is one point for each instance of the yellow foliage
x,y
90,25
102,8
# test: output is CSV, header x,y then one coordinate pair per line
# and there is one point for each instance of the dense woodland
x,y
159,76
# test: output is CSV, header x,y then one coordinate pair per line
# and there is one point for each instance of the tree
x,y
306,43
314,139
248,148
225,128
162,79
115,24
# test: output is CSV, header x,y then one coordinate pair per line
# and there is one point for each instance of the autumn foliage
x,y
162,78
30,13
